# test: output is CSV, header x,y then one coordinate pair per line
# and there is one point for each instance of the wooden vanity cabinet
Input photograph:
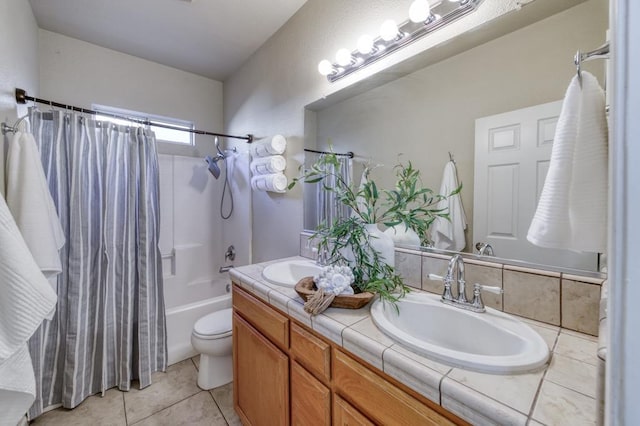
x,y
285,373
261,377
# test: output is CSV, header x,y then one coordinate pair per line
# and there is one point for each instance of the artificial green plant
x,y
347,240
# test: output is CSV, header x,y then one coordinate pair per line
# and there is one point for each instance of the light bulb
x,y
389,30
419,11
343,57
365,44
325,67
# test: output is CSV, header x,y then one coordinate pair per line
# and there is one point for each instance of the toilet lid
x,y
215,323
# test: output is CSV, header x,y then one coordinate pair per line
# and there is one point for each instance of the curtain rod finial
x,y
21,96
249,138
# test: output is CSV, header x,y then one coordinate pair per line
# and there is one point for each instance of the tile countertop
x,y
563,393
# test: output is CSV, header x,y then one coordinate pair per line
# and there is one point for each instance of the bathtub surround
x,y
109,328
190,244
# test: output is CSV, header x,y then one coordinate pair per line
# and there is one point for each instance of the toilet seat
x,y
216,325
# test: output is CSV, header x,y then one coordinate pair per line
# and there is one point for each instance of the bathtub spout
x,y
224,269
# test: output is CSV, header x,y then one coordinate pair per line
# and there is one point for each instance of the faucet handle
x,y
435,277
489,288
478,303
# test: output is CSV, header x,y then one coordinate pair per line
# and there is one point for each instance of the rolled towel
x,y
276,182
276,146
267,165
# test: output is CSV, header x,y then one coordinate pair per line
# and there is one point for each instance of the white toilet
x,y
211,338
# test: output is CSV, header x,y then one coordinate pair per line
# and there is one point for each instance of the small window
x,y
162,134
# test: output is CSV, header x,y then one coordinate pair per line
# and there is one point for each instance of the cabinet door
x,y
310,399
261,377
345,415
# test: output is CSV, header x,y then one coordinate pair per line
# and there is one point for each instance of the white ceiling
x,y
212,38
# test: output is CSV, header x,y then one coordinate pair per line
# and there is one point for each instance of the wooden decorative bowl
x,y
307,288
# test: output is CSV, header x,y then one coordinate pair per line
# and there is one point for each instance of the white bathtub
x,y
180,321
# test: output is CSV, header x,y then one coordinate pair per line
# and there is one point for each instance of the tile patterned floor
x,y
172,399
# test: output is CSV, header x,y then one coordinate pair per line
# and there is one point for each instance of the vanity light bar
x,y
440,15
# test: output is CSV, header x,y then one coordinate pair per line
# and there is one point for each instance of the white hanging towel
x,y
275,146
449,234
31,205
27,299
572,211
268,165
276,182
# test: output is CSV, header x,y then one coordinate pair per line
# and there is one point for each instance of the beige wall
x,y
18,55
432,111
80,73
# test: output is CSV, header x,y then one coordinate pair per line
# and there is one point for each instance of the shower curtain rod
x,y
22,98
349,154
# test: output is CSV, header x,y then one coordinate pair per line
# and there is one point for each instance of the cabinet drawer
x,y
345,415
369,392
311,352
268,321
310,399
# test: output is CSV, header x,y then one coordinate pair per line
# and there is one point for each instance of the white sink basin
x,y
489,342
289,272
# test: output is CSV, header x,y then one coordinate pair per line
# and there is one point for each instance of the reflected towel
x,y
449,234
572,210
276,182
275,146
268,165
31,205
27,299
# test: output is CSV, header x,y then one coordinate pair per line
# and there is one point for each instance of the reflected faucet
x,y
484,249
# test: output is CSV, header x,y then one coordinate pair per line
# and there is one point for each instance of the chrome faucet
x,y
476,305
457,263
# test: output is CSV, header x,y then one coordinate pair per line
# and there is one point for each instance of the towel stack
x,y
268,166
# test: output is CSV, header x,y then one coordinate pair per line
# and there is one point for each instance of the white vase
x,y
403,235
382,243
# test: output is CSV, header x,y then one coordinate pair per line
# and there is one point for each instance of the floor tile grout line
x,y
168,406
218,405
124,406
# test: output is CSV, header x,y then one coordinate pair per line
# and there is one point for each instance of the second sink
x,y
489,342
289,272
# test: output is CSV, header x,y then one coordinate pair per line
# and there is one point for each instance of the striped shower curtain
x,y
109,328
329,208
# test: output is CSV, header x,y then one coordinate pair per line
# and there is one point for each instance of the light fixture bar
x,y
443,14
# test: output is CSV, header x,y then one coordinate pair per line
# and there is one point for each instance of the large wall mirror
x,y
431,112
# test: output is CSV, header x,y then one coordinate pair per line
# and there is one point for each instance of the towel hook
x,y
451,157
578,60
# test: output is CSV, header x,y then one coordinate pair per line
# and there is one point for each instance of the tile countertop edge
x,y
333,323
